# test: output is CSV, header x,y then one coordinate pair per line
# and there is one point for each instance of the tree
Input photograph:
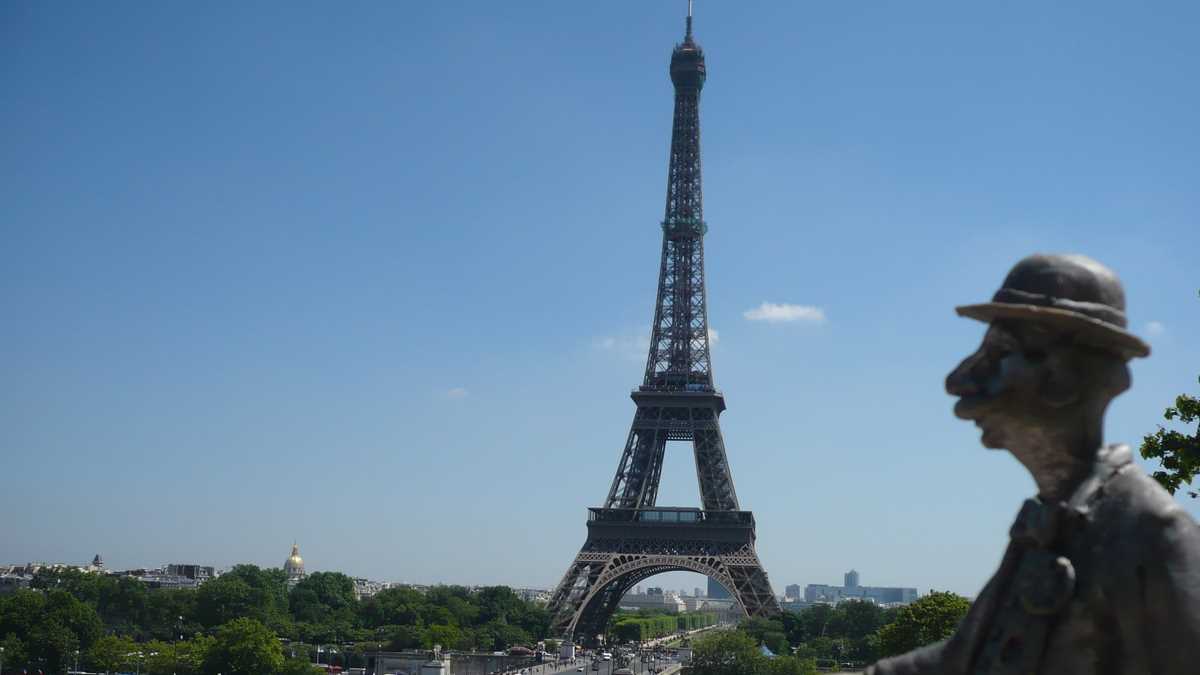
x,y
726,653
767,632
397,606
298,666
51,625
244,647
788,665
404,637
245,591
1178,453
162,609
449,637
110,652
185,657
321,595
929,619
14,650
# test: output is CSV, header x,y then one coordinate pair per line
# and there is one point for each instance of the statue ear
x,y
1060,381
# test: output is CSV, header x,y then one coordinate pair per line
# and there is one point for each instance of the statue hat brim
x,y
1072,293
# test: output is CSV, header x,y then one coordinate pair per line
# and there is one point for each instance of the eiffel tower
x,y
630,538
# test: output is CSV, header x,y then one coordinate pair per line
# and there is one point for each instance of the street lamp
x,y
1,660
77,660
175,645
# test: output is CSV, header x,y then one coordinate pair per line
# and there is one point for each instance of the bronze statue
x,y
1102,572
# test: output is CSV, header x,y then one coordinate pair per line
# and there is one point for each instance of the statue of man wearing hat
x,y
1102,572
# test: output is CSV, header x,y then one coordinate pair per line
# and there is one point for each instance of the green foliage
x,y
14,649
836,633
929,619
767,632
244,647
245,591
71,610
449,637
298,666
50,625
737,653
1178,453
324,606
110,652
638,627
725,653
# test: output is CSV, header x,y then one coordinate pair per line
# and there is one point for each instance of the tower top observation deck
x,y
687,61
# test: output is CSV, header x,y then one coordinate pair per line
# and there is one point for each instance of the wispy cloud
x,y
456,392
1154,328
776,313
630,347
634,347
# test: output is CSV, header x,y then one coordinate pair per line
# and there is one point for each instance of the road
x,y
605,667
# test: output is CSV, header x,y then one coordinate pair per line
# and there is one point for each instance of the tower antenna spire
x,y
689,22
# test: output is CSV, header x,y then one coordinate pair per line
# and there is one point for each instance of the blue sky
x,y
377,277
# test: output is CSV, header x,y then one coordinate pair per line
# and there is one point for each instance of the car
x,y
579,669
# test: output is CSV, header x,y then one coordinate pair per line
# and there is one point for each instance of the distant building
x,y
717,591
794,605
668,601
697,593
11,580
197,573
365,588
793,592
536,595
294,566
883,595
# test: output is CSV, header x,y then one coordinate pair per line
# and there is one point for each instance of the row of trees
x,y
859,632
53,631
636,628
738,653
97,619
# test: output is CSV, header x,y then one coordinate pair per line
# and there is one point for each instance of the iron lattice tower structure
x,y
630,538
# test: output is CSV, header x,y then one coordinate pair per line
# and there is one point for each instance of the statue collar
x,y
1040,524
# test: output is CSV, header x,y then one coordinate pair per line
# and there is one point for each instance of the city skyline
x,y
331,276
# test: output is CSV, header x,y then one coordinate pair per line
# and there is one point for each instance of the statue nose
x,y
962,381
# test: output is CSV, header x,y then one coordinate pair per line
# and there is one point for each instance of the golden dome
x,y
294,565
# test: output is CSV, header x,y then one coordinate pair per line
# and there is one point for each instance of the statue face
x,y
1004,387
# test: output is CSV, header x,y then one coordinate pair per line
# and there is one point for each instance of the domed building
x,y
294,566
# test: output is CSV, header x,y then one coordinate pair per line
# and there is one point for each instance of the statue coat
x,y
1107,583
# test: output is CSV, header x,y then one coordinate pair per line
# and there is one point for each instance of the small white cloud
x,y
775,313
1155,328
630,346
713,336
456,392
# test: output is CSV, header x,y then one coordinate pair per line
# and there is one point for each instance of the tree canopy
x,y
177,631
928,620
244,647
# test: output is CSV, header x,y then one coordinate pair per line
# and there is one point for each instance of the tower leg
x,y
606,568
